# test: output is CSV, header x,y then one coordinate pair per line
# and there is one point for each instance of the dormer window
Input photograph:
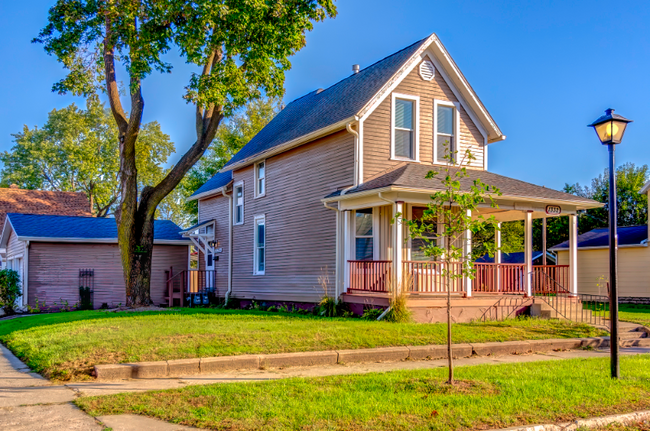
x,y
405,127
445,130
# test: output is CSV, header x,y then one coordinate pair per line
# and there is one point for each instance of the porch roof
x,y
411,176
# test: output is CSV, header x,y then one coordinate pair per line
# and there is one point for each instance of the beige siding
x,y
377,127
217,208
301,233
633,270
54,271
14,247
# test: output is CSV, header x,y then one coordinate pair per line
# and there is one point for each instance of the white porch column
x,y
398,247
528,252
497,256
347,248
467,253
573,254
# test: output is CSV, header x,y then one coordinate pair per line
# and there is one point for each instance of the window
x,y
363,240
405,134
238,207
260,179
260,246
428,237
445,129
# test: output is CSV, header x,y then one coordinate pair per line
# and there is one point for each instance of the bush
x,y
371,313
9,290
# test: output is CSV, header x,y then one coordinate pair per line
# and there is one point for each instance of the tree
x,y
76,151
242,48
455,211
230,138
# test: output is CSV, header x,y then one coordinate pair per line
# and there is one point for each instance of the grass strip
x,y
487,397
66,346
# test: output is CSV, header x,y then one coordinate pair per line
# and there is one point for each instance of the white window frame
x,y
234,207
374,236
257,179
456,135
256,221
416,126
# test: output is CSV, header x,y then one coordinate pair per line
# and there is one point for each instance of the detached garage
x,y
55,255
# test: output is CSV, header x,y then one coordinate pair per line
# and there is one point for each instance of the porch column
x,y
528,253
467,253
573,254
497,256
398,247
347,244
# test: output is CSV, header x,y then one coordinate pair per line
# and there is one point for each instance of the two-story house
x,y
315,191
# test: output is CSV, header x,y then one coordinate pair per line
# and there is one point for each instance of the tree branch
x,y
207,69
111,82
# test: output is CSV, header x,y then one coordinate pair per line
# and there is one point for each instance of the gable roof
x,y
324,111
218,181
627,236
53,228
412,175
16,200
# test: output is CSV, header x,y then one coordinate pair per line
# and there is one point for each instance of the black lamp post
x,y
610,129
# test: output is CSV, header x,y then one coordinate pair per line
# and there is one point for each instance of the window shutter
x,y
427,71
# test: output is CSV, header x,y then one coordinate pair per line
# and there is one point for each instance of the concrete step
x,y
632,335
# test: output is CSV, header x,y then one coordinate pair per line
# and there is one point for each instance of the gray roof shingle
x,y
88,228
323,108
413,175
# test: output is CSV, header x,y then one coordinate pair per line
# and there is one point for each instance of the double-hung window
x,y
446,133
259,258
405,133
429,236
260,179
238,204
363,239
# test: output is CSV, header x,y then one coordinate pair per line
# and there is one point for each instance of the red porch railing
x,y
550,279
499,278
429,277
370,275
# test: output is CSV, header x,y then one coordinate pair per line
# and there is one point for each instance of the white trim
x,y
243,201
375,233
573,254
256,219
360,158
95,240
257,193
456,135
25,280
416,127
599,247
208,193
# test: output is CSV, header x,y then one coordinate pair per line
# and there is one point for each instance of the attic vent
x,y
427,71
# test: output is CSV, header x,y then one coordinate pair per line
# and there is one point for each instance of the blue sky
x,y
543,69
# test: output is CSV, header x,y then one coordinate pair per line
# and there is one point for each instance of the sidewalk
x,y
28,401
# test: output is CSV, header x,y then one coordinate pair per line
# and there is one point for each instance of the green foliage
x,y
230,138
371,313
77,150
9,290
331,307
399,311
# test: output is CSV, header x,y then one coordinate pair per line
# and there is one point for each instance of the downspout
x,y
356,181
230,209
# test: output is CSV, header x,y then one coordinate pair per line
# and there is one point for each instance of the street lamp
x,y
610,129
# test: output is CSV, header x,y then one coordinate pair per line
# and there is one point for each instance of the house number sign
x,y
553,210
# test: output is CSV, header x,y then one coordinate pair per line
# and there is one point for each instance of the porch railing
x,y
499,278
371,275
429,277
550,279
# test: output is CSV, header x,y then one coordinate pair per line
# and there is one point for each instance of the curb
x,y
185,367
623,419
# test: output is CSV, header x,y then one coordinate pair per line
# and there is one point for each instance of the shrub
x,y
399,312
371,313
9,290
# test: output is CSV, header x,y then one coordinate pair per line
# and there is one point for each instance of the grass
x,y
635,313
66,346
487,397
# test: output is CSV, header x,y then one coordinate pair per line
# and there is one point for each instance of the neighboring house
x,y
313,193
519,257
17,200
55,255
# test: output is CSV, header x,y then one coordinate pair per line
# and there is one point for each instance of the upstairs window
x,y
405,136
363,240
260,179
446,133
238,204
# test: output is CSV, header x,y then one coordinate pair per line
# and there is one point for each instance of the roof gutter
x,y
208,193
96,240
600,247
288,145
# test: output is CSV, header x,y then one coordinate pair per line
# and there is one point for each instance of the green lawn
x,y
66,345
487,396
635,313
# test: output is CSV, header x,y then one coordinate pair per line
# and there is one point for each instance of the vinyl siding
x,y
217,208
633,272
54,271
14,247
377,127
300,231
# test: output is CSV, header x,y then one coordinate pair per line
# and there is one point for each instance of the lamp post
x,y
610,129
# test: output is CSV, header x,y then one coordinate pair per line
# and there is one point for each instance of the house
x,y
56,255
308,202
16,200
518,257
